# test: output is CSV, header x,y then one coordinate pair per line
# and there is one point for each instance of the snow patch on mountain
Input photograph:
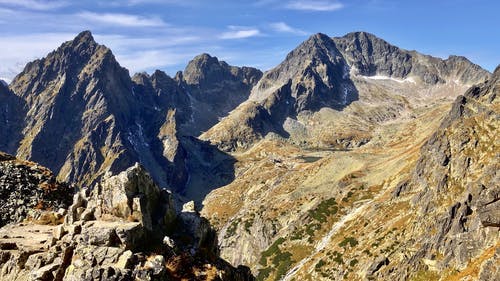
x,y
383,77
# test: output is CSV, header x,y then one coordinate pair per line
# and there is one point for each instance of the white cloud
x,y
121,3
35,4
285,28
5,81
121,42
315,5
122,19
140,2
17,50
240,32
152,59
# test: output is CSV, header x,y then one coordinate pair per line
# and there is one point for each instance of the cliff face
x,y
214,88
80,108
12,112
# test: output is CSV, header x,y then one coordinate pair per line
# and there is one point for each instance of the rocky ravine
x,y
126,228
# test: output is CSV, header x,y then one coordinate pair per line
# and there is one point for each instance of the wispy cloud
x,y
264,2
35,4
285,28
314,5
121,3
149,60
240,32
121,42
127,20
17,50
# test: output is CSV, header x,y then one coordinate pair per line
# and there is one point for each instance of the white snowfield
x,y
382,77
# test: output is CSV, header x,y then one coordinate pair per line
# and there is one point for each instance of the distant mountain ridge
x,y
320,73
369,55
106,120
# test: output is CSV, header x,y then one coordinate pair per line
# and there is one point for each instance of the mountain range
x,y
352,159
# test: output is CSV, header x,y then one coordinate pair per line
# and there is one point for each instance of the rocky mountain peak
x,y
369,55
82,54
84,38
318,74
85,35
60,91
318,39
141,78
496,73
205,69
161,80
317,46
365,37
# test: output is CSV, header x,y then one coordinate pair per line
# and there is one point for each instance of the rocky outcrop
x,y
215,88
125,228
27,190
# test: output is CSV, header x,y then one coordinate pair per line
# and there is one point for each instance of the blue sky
x,y
152,34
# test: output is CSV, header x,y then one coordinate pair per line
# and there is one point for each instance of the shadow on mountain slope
x,y
208,168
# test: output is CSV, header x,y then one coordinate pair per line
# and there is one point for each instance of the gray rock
x,y
377,265
59,232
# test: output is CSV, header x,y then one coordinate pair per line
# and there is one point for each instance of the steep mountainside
x,y
12,111
85,116
214,88
81,111
326,73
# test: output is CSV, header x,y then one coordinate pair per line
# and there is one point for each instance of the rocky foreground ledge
x,y
125,228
